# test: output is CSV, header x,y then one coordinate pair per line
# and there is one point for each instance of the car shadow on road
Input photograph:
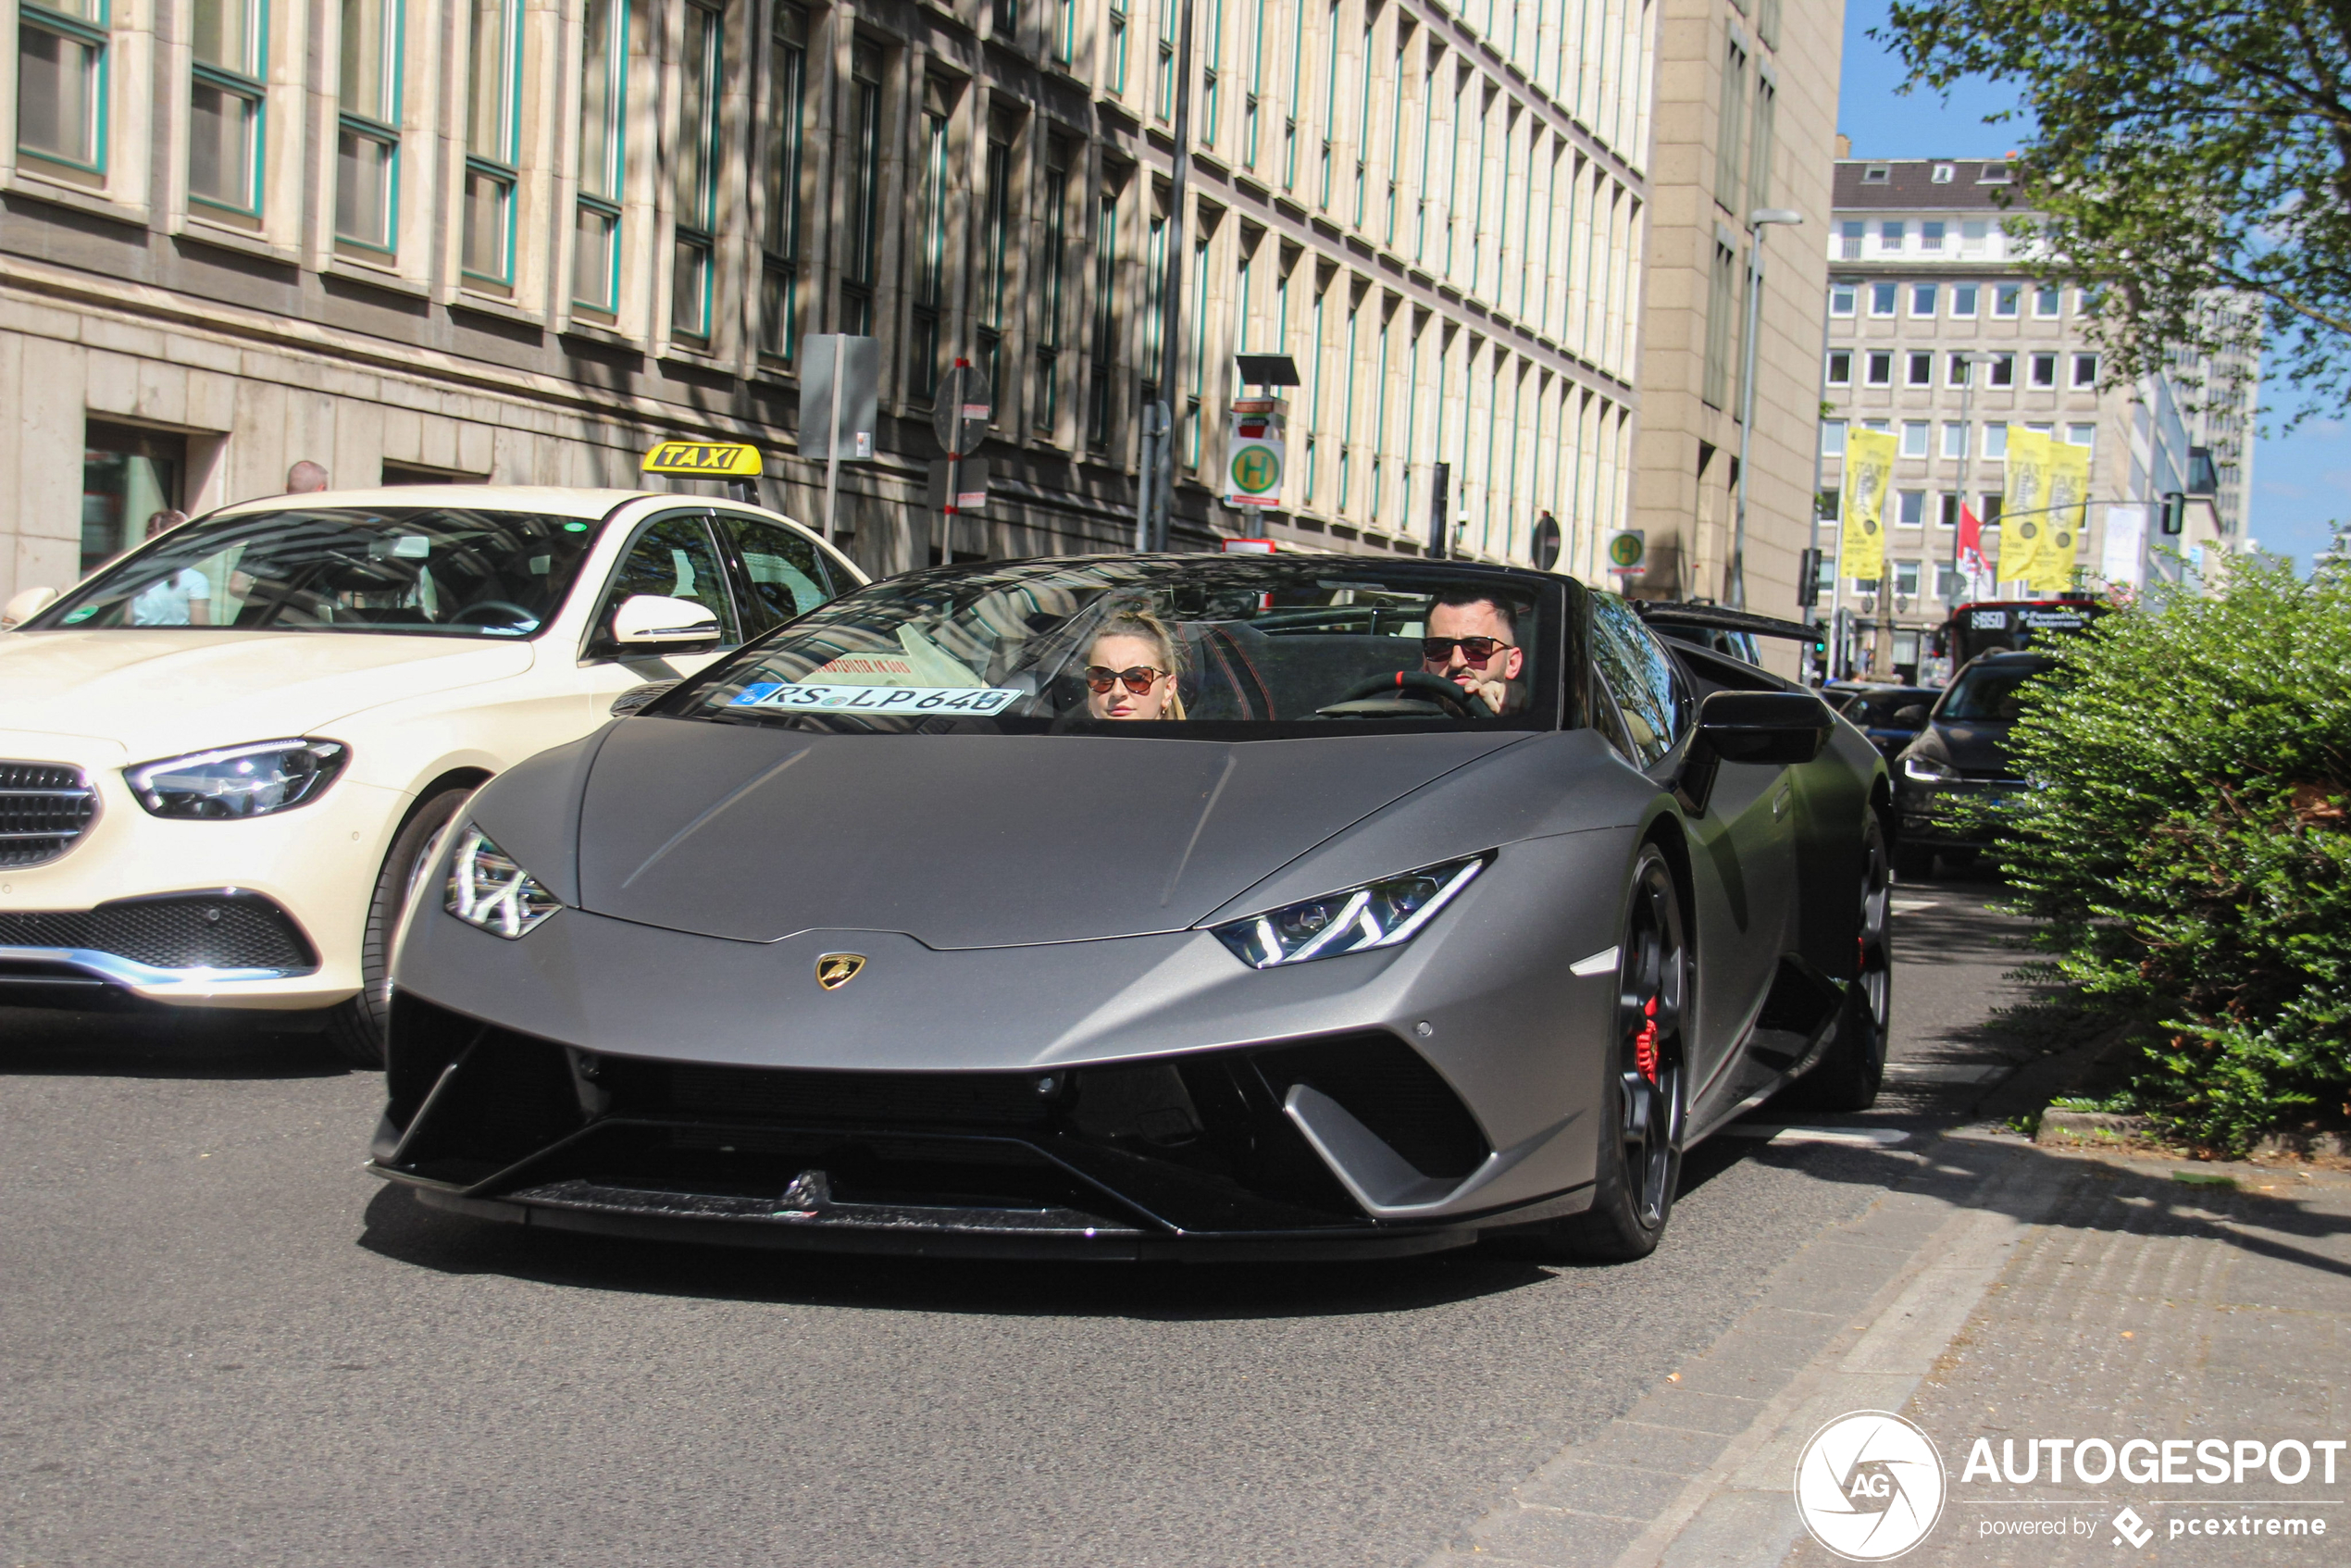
x,y
181,1043
401,1228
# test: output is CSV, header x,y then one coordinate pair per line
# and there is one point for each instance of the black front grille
x,y
809,1097
195,930
43,808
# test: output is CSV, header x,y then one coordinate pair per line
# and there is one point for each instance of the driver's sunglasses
x,y
1137,680
1475,651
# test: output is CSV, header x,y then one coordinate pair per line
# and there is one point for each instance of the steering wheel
x,y
1417,684
514,611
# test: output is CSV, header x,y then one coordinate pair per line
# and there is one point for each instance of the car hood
x,y
156,691
966,841
1974,745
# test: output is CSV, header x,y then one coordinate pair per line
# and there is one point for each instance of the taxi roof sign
x,y
705,459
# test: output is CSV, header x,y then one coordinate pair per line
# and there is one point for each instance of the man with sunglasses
x,y
1473,641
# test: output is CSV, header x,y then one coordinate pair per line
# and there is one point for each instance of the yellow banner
x,y
705,459
2023,524
2068,495
1869,464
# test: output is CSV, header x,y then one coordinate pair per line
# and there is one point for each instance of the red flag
x,y
1970,543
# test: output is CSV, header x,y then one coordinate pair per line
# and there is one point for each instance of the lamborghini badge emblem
x,y
835,970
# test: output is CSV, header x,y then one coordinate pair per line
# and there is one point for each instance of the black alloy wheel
x,y
1849,1074
1645,1090
355,1028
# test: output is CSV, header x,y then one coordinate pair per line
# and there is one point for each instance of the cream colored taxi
x,y
222,756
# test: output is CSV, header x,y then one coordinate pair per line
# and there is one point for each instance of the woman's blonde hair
x,y
1135,620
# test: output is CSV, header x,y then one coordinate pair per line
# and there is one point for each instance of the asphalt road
x,y
224,1342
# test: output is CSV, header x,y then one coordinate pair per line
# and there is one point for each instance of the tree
x,y
2187,150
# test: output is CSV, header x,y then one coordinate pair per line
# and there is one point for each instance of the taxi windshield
x,y
1203,648
1991,693
444,571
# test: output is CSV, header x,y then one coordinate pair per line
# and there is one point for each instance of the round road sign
x,y
960,410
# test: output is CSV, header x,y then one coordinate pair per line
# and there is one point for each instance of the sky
x,y
2300,482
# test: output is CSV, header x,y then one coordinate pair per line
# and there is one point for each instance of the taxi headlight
x,y
1928,770
238,781
1387,913
488,890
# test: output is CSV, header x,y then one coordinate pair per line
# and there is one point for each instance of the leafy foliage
x,y
2188,843
2185,147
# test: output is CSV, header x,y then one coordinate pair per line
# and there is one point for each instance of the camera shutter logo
x,y
1869,1486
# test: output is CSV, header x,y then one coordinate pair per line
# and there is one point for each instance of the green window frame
x,y
493,134
1197,371
1289,105
1347,410
368,87
1163,76
694,218
1052,261
1154,305
1118,43
63,73
604,120
1256,95
860,272
227,104
1395,128
786,160
929,248
1379,419
1105,343
995,255
1211,76
1330,106
1065,33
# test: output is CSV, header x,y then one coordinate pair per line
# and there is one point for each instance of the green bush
x,y
2187,845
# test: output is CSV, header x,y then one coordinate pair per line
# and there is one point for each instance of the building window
x,y
1920,371
1946,509
694,183
1164,94
1877,174
928,243
1883,297
1330,106
1006,19
1196,390
1759,147
486,248
1052,258
2046,300
1832,438
1954,440
1721,295
1254,100
1973,232
2045,369
2004,369
2005,297
1930,237
2085,370
1996,445
1922,299
858,273
1105,334
1840,368
1730,166
61,81
127,476
1957,370
1910,510
788,128
995,255
2081,435
1906,573
1963,300
1065,33
1117,14
1849,238
1396,130
1212,77
1842,299
1289,103
1890,234
368,128
229,48
1914,437
1993,174
1942,175
1879,368
604,100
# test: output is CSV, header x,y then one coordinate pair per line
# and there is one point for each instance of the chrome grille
x,y
43,808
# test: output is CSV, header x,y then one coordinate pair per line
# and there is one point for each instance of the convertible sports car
x,y
1162,906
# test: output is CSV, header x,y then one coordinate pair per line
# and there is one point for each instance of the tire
x,y
1644,1088
355,1028
1848,1078
1914,863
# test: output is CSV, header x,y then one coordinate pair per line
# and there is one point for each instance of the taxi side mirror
x,y
654,620
25,605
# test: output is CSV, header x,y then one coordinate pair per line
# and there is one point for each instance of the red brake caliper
x,y
1644,1043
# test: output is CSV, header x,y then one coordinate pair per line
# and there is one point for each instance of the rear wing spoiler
x,y
1714,618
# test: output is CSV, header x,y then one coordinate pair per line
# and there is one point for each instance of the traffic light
x,y
2175,512
1808,578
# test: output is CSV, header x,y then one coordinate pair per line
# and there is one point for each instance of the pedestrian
x,y
305,477
177,598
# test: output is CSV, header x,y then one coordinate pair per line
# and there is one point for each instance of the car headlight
x,y
238,781
1383,914
488,890
1928,770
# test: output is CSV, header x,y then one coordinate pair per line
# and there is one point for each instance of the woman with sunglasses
x,y
1130,669
1473,643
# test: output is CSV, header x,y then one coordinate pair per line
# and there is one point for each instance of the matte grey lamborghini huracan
x,y
1151,905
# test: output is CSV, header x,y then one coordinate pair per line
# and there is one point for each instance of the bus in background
x,y
1999,625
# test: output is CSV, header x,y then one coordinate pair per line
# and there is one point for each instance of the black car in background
x,y
1891,716
1957,766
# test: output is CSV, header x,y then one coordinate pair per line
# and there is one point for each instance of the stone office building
x,y
412,239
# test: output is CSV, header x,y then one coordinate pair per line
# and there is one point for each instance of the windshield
x,y
1878,709
1989,694
1210,649
438,570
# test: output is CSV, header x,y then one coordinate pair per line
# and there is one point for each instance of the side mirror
x,y
1775,728
25,605
1910,717
653,620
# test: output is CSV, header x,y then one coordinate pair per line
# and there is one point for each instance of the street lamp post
x,y
1757,221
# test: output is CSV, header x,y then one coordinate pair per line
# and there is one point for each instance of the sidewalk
x,y
2010,1293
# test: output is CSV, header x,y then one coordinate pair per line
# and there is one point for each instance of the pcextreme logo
x,y
1869,1486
